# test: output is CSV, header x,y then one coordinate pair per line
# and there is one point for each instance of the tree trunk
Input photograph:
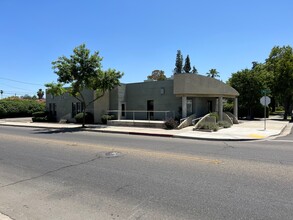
x,y
273,104
83,118
287,105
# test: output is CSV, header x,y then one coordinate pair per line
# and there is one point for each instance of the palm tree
x,y
213,73
40,94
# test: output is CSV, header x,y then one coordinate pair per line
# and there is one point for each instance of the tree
x,y
280,64
157,75
249,85
179,62
26,96
83,70
40,94
1,92
194,70
187,66
213,73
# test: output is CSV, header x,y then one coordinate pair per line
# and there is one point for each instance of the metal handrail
x,y
140,111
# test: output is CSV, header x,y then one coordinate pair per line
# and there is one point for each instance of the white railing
x,y
142,115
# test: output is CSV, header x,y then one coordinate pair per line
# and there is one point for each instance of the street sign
x,y
265,100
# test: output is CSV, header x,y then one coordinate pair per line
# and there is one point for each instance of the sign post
x,y
265,101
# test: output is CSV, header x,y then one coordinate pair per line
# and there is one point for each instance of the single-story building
x,y
179,97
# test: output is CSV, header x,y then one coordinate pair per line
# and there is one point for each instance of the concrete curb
x,y
217,139
153,134
4,217
137,133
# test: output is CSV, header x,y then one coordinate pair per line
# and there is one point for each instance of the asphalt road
x,y
71,174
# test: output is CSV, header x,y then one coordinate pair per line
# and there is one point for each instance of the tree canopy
x,y
280,66
187,66
249,86
179,62
194,70
40,94
274,75
157,75
83,70
213,73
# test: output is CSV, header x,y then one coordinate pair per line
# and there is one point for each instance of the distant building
x,y
181,96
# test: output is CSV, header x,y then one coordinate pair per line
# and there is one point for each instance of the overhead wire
x,y
28,83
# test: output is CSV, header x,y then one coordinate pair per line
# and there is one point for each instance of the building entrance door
x,y
150,109
123,108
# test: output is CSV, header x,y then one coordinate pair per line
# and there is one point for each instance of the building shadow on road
x,y
62,130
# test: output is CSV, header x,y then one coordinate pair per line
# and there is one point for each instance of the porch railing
x,y
142,115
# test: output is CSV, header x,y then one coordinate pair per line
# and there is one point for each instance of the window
x,y
189,106
52,109
123,110
210,106
77,107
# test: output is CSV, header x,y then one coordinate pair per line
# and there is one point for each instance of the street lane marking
x,y
125,150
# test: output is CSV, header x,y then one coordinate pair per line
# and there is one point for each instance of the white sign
x,y
265,100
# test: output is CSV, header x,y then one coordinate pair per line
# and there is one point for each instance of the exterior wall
x,y
201,86
116,99
101,107
200,105
64,104
137,95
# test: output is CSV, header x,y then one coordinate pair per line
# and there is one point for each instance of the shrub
x,y
40,119
89,118
224,124
105,118
19,107
208,126
2,111
279,109
214,114
170,123
40,114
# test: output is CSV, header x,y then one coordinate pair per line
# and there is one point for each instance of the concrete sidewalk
x,y
244,131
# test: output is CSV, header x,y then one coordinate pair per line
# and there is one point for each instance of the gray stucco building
x,y
179,97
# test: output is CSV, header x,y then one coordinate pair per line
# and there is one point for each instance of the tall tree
x,y
249,85
213,73
194,70
1,92
40,94
280,64
83,70
157,75
179,62
187,66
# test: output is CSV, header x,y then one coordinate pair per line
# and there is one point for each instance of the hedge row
x,y
11,108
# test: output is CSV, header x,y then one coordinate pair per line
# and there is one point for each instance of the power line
x,y
16,87
35,84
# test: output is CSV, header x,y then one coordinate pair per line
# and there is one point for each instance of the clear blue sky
x,y
137,36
